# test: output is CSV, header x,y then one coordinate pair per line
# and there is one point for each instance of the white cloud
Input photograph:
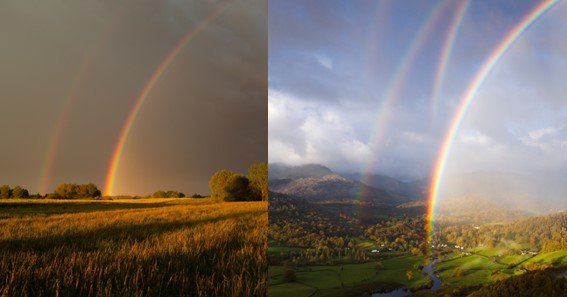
x,y
475,138
537,134
300,132
550,140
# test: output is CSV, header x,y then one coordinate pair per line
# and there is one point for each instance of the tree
x,y
416,251
174,194
66,191
258,176
5,191
92,190
73,191
237,189
218,182
159,194
19,192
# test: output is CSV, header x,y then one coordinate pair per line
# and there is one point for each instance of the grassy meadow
x,y
133,247
485,265
347,279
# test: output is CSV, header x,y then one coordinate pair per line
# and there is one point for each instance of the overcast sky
x,y
207,112
330,67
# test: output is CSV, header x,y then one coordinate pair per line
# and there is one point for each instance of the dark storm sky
x,y
207,112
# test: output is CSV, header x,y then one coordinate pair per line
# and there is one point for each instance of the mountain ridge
x,y
315,181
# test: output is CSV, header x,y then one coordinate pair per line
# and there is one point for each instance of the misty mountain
x,y
415,190
332,186
282,171
522,192
316,181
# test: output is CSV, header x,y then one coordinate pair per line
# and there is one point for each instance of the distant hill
x,y
523,192
316,181
285,208
282,171
478,210
331,186
415,190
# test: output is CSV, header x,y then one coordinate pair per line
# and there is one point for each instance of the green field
x,y
475,270
486,266
347,279
133,247
275,249
557,257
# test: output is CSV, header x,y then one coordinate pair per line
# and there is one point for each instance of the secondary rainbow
x,y
445,54
154,78
394,87
45,176
465,102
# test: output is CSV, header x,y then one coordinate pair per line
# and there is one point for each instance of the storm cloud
x,y
208,111
327,86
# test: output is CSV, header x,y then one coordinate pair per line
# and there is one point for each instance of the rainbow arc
x,y
147,89
467,98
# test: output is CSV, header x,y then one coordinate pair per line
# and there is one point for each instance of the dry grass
x,y
167,247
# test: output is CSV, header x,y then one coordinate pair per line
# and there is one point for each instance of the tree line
x,y
75,191
227,185
16,192
63,191
544,233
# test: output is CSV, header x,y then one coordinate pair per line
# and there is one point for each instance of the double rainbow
x,y
394,86
45,176
465,102
146,90
445,55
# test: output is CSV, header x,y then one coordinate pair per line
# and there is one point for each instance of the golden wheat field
x,y
142,247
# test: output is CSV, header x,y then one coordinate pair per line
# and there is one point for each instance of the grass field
x,y
135,247
479,267
557,257
273,248
345,280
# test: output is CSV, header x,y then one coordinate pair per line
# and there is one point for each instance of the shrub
x,y
19,192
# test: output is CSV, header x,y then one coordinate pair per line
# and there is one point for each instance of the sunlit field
x,y
346,279
141,247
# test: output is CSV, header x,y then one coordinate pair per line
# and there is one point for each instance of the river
x,y
405,292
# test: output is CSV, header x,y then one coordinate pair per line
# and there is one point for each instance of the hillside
x,y
549,282
321,183
330,187
477,210
416,190
282,171
523,192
